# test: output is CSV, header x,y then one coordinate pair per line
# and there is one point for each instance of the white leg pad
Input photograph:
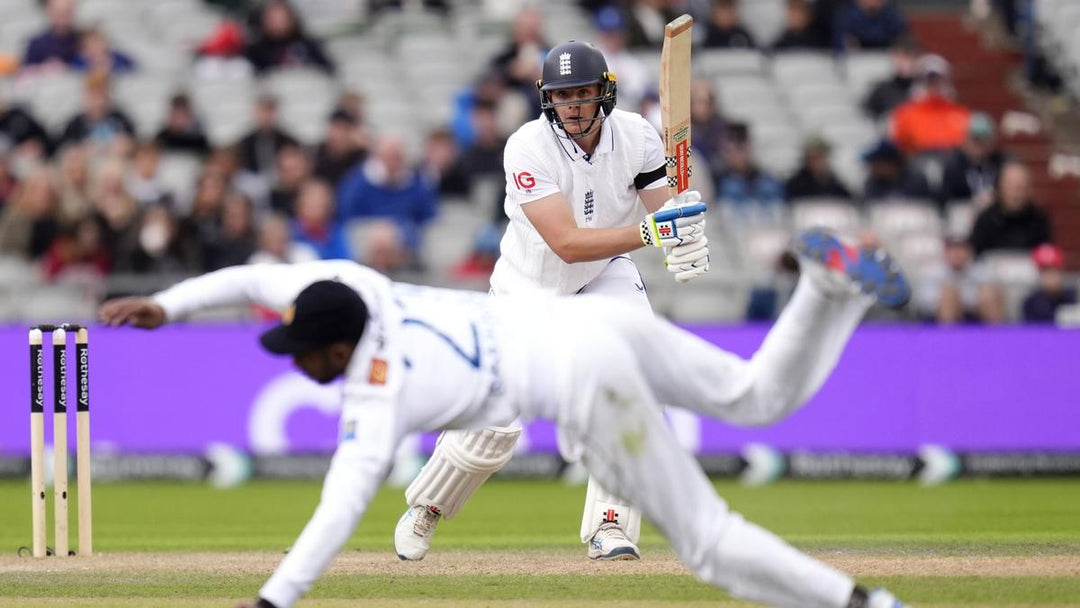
x,y
602,506
461,463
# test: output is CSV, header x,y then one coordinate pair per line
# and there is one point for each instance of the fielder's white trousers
x,y
612,411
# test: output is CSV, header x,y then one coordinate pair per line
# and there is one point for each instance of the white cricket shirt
x,y
601,190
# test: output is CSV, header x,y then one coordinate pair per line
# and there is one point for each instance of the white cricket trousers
x,y
612,410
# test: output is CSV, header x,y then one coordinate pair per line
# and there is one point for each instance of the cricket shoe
x,y
414,531
610,543
880,598
845,269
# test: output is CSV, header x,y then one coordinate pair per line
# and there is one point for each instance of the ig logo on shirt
x,y
524,181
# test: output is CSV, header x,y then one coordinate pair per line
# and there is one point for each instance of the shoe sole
x,y
874,271
408,559
621,553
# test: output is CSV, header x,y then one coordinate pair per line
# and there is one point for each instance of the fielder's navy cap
x,y
325,312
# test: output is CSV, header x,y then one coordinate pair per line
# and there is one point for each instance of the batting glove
x,y
688,261
680,221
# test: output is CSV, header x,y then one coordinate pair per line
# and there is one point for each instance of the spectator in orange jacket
x,y
931,120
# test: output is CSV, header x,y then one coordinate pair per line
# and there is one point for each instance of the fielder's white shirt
x,y
601,190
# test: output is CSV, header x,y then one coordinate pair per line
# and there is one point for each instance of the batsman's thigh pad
x,y
461,463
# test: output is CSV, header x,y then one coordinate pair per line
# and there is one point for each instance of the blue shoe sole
x,y
873,270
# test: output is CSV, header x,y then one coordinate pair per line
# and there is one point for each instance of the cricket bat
x,y
675,102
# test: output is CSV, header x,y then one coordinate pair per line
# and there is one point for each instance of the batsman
x,y
586,184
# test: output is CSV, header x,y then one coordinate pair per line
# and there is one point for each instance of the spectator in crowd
x,y
293,170
182,131
341,149
143,182
352,104
384,187
8,182
490,88
22,132
100,123
442,164
1040,306
708,127
931,120
896,90
972,169
226,162
74,183
95,55
315,225
279,41
724,30
742,183
1012,221
959,290
890,177
275,244
866,25
202,225
645,23
30,220
798,33
78,251
611,40
156,248
815,178
58,45
519,63
259,149
234,242
221,54
484,158
116,210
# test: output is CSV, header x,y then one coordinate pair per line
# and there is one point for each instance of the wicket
x,y
60,439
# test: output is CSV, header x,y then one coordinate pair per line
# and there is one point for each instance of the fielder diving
x,y
420,359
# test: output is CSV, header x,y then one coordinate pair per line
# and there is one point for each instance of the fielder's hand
x,y
688,261
136,312
680,221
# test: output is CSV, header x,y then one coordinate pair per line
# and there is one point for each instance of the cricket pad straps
x,y
461,463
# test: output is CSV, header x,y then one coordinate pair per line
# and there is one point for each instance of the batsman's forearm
x,y
591,244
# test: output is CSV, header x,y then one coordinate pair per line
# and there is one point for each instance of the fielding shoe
x,y
845,269
610,542
414,531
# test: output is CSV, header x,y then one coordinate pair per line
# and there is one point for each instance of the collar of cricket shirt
x,y
604,146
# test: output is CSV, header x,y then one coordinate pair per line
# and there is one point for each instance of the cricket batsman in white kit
x,y
418,359
579,179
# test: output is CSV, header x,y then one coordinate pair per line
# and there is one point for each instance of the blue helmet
x,y
575,64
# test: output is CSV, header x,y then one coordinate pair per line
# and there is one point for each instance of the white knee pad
x,y
601,507
461,463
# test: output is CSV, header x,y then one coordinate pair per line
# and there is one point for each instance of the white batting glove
x,y
680,221
688,261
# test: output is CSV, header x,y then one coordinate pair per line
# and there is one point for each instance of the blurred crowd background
x,y
142,141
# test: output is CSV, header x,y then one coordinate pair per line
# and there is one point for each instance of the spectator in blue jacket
x,y
59,44
867,24
95,55
385,187
742,183
315,225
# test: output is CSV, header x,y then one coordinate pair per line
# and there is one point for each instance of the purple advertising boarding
x,y
180,389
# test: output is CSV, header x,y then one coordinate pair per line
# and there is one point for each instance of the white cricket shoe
x,y
610,542
880,598
414,531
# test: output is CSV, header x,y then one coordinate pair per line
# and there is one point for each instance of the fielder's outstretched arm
x,y
274,286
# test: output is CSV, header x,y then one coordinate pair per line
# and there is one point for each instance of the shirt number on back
x,y
473,359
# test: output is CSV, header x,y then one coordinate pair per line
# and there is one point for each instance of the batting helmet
x,y
575,64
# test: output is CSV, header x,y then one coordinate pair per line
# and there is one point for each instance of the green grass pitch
x,y
972,543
